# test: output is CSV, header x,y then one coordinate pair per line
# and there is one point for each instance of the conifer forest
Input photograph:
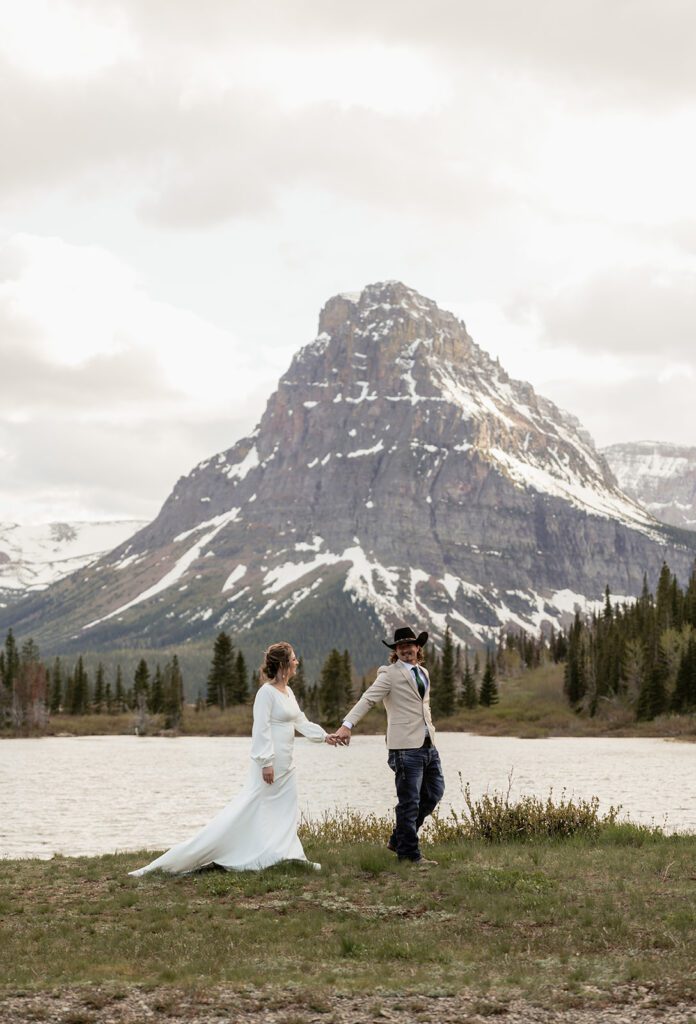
x,y
640,655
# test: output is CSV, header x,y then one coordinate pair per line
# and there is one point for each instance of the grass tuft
x,y
494,818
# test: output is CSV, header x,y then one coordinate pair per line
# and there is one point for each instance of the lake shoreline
x,y
236,722
90,795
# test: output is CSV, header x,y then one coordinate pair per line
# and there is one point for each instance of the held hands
x,y
340,738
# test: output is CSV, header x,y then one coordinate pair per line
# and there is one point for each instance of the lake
x,y
98,794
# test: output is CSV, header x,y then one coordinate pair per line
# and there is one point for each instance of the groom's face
x,y
407,653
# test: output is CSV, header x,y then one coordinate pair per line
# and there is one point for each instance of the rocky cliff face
x,y
397,474
662,477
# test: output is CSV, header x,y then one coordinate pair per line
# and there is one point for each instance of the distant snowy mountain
x,y
661,476
34,557
397,474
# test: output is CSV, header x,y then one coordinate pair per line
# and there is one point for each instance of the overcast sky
x,y
183,185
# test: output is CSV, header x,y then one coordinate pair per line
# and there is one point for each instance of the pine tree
x,y
299,684
690,599
68,693
98,702
575,673
332,688
443,698
108,699
458,674
652,699
80,690
684,696
489,691
141,684
469,693
663,599
240,685
56,697
10,661
347,678
433,663
119,694
221,672
156,696
172,694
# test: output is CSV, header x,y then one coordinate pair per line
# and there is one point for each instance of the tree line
x,y
642,654
32,691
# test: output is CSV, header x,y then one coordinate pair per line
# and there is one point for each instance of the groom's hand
x,y
343,735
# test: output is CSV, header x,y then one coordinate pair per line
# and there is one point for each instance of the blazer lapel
x,y
411,678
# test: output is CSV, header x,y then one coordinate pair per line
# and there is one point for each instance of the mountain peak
x,y
397,474
380,301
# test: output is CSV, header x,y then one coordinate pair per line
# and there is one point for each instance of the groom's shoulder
x,y
382,671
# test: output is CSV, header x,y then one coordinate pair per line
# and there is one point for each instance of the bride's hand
x,y
331,740
267,775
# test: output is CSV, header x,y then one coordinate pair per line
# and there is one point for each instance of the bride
x,y
259,827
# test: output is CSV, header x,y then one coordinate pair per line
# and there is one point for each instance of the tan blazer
x,y
408,716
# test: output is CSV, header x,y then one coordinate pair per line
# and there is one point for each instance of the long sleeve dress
x,y
259,826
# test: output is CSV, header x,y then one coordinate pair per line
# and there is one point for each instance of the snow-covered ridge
x,y
661,476
180,567
397,592
33,557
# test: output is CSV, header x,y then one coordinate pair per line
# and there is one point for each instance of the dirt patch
x,y
104,1005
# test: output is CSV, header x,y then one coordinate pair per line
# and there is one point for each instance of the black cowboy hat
x,y
405,635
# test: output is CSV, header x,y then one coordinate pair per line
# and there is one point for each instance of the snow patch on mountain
x,y
565,484
34,557
179,569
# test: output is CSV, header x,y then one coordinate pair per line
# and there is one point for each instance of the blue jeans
x,y
419,788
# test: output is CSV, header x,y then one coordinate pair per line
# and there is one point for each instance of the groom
x,y
404,686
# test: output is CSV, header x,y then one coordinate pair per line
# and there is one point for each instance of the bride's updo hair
x,y
276,659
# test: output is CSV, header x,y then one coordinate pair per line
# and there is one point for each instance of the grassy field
x,y
604,921
531,705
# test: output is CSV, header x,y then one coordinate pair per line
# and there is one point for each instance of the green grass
x,y
546,920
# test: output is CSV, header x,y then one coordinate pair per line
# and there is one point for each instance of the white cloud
x,y
54,38
84,316
108,394
387,78
185,185
636,310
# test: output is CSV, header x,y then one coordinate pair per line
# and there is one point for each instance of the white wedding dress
x,y
259,827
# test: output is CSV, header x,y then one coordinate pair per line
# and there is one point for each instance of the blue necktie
x,y
419,681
